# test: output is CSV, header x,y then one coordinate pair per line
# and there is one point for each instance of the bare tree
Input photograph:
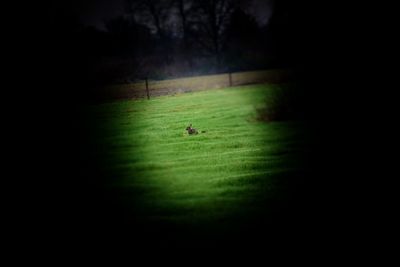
x,y
215,15
157,15
188,15
154,13
183,13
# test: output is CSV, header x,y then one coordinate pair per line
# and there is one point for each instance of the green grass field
x,y
207,184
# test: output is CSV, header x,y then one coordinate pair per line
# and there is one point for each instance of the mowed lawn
x,y
220,181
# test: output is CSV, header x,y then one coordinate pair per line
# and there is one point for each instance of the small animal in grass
x,y
191,130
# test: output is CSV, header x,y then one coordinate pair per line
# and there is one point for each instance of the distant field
x,y
173,86
210,183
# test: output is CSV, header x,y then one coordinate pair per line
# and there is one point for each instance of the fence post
x,y
147,89
230,79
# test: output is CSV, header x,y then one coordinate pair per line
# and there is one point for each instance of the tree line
x,y
162,39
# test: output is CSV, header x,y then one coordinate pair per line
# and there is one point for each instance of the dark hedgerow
x,y
283,104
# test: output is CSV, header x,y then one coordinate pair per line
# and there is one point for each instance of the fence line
x,y
188,84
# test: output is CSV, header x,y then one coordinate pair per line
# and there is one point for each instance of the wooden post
x,y
230,79
147,89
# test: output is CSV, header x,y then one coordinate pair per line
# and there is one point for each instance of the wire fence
x,y
152,88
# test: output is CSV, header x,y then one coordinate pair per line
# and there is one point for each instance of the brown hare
x,y
191,130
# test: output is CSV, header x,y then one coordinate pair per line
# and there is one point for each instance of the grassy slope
x,y
214,180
